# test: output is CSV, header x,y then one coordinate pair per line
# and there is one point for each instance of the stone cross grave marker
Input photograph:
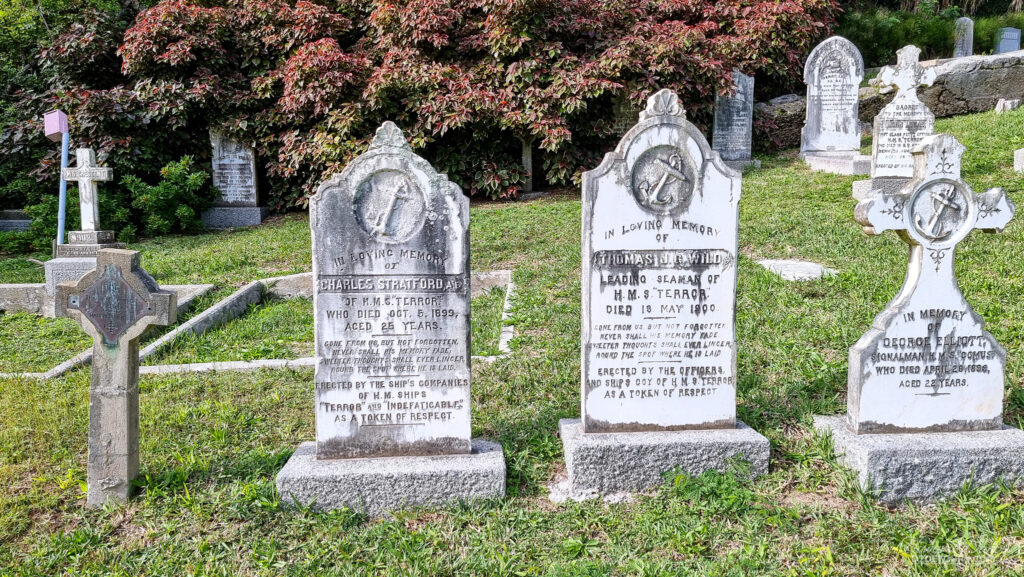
x,y
660,219
927,364
734,121
963,33
87,174
1007,40
902,123
833,73
391,308
115,304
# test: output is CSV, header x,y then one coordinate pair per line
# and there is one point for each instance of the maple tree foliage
x,y
467,80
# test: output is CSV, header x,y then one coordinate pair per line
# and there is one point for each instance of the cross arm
x,y
995,210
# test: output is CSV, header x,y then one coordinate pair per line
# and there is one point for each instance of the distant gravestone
x,y
659,340
927,367
115,303
1007,40
391,307
624,114
234,175
1018,160
963,34
831,134
905,121
78,256
734,121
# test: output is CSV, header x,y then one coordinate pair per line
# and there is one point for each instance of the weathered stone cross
x,y
88,174
936,209
927,364
907,75
115,304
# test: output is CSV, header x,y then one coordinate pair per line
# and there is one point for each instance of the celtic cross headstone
x,y
114,304
925,383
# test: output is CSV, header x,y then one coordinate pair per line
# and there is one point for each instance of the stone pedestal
x,y
609,463
232,216
864,189
921,467
72,261
846,163
376,486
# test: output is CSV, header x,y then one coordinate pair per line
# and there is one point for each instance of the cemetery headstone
x,y
114,303
925,392
899,126
234,175
830,140
1007,40
963,34
734,123
391,309
75,258
658,373
1018,160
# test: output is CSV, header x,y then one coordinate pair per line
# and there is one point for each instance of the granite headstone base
x,y
377,486
863,189
922,467
66,269
744,165
846,163
1018,160
609,463
232,216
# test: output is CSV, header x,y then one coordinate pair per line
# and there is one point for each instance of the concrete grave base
x,y
863,189
600,464
923,467
377,486
232,216
1018,160
838,163
66,269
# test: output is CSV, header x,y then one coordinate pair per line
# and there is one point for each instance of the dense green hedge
x,y
880,32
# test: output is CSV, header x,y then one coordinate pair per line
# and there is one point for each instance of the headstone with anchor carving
x,y
899,126
660,226
391,309
78,256
926,382
115,303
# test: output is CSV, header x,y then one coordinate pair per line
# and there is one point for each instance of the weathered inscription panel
x,y
391,301
234,171
734,118
659,277
833,73
897,130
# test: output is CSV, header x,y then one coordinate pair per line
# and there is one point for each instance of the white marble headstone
x,y
391,307
927,364
902,123
963,35
659,280
833,73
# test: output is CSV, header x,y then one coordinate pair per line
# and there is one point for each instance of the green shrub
x,y
880,32
175,203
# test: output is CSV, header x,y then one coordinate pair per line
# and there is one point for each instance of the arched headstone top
x,y
834,51
660,219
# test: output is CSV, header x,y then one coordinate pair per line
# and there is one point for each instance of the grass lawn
x,y
212,443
